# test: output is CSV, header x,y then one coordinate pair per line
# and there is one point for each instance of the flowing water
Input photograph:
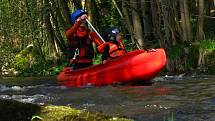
x,y
169,98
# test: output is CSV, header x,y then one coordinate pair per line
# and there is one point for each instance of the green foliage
x,y
40,68
97,59
207,45
57,68
110,16
21,63
24,59
25,22
128,45
29,63
193,25
7,54
175,51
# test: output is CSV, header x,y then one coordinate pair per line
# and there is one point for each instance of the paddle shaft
x,y
95,31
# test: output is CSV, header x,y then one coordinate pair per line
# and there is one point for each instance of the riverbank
x,y
16,111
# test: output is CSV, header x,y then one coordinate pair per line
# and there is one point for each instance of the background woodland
x,y
32,32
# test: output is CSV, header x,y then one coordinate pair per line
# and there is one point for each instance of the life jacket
x,y
84,45
114,49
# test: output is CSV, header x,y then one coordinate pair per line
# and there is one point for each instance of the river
x,y
168,98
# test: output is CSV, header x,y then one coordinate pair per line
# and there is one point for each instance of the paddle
x,y
95,30
85,3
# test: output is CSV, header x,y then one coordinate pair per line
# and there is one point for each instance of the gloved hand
x,y
82,18
104,61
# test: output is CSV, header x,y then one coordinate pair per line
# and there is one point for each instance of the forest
x,y
33,42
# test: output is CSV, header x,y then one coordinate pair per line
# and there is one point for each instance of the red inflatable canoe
x,y
138,65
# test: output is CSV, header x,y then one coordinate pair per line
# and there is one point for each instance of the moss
x,y
28,62
63,113
25,59
17,111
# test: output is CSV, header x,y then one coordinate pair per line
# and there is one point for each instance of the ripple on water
x,y
4,88
37,98
213,100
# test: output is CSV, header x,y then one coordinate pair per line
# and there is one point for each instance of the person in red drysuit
x,y
80,39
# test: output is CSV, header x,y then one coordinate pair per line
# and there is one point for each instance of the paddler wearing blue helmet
x,y
81,38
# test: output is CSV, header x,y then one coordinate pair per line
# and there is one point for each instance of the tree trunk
x,y
65,12
138,30
77,4
93,13
171,30
200,24
165,10
59,16
185,21
49,29
156,21
116,6
58,37
146,12
170,22
127,20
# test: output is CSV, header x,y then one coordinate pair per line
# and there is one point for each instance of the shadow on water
x,y
164,99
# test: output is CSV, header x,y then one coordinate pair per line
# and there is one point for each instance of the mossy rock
x,y
16,111
25,58
63,113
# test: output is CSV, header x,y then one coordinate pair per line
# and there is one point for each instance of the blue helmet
x,y
110,34
77,14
